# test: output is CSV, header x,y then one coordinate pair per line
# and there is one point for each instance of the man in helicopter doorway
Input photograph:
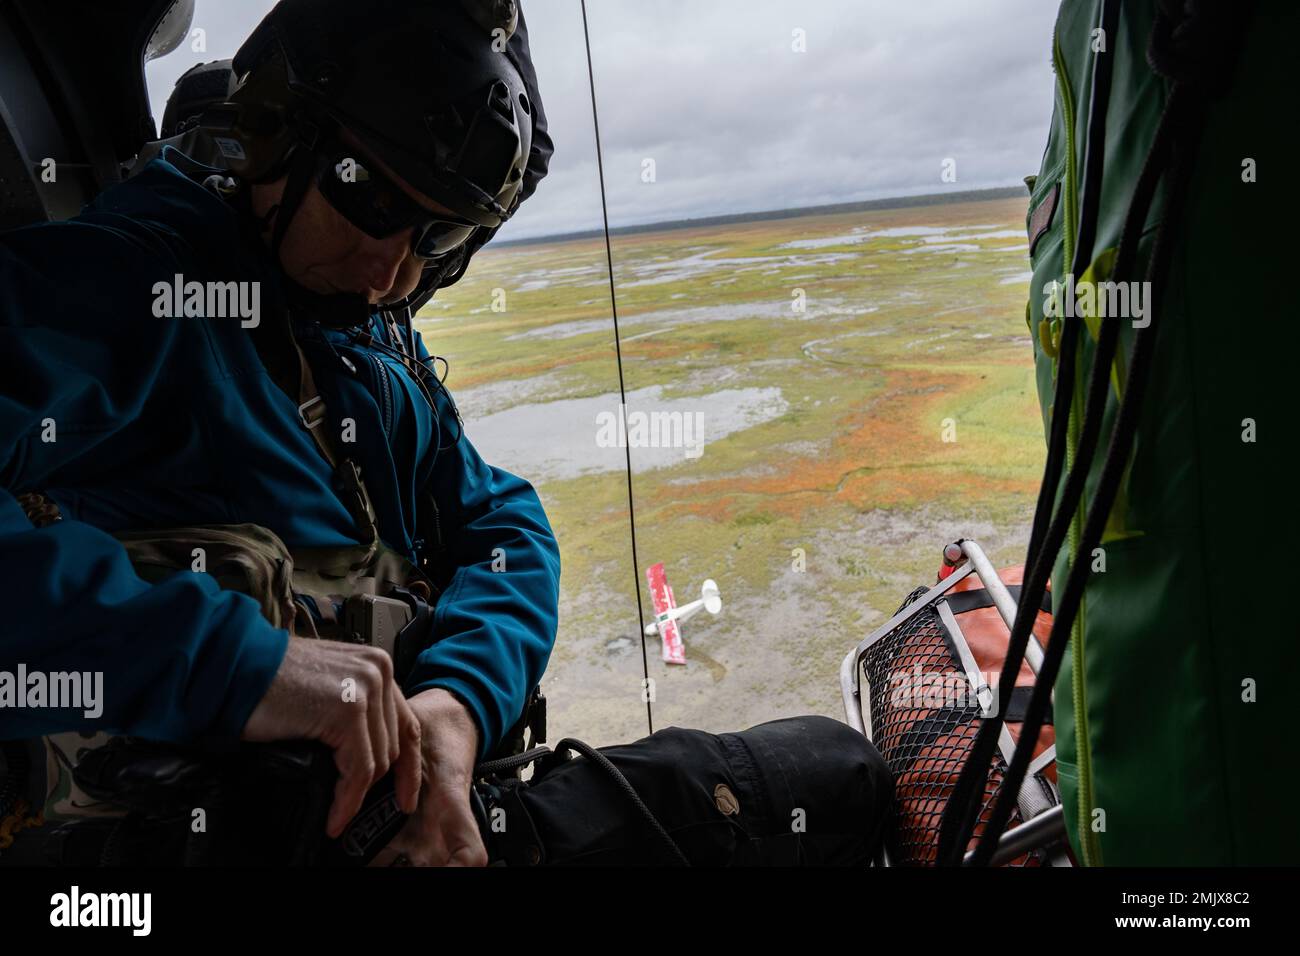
x,y
298,438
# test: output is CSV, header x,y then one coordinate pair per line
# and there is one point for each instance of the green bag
x,y
1172,745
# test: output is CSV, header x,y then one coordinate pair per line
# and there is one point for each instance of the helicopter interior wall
x,y
73,102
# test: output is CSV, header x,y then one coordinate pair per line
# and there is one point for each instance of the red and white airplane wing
x,y
674,651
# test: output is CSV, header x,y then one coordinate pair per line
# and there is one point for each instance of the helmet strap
x,y
338,310
301,167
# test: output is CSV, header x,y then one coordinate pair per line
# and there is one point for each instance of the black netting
x,y
924,717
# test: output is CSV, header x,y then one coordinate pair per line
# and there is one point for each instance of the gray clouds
x,y
736,121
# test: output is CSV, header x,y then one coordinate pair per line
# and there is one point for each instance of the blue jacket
x,y
130,421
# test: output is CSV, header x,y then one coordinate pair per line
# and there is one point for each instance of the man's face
x,y
326,253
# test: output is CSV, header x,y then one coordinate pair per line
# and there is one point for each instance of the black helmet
x,y
439,90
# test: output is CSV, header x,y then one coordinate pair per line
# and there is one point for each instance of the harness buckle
x,y
307,422
349,477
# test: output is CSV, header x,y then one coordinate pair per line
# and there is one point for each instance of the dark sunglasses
x,y
380,208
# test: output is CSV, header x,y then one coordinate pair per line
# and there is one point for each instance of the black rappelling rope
x,y
1112,469
1051,525
618,352
604,763
1117,456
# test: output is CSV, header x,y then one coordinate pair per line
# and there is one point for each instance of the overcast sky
x,y
736,120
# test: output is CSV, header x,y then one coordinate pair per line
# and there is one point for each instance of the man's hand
x,y
443,831
368,723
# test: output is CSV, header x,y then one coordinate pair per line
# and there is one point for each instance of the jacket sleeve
x,y
81,351
496,620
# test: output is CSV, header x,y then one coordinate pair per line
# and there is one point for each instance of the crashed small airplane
x,y
668,615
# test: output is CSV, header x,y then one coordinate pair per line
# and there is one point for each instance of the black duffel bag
x,y
796,791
